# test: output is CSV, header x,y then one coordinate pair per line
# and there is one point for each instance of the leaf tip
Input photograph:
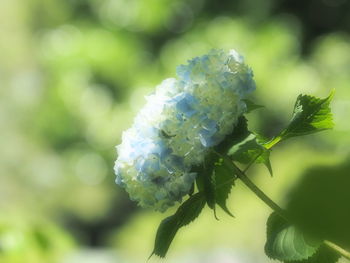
x,y
215,215
331,94
224,207
150,256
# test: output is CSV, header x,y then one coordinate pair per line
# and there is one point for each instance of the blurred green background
x,y
73,73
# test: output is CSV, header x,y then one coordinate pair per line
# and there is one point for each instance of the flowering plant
x,y
181,121
187,140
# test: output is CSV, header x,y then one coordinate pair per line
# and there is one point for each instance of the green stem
x,y
275,207
241,175
273,142
338,249
268,146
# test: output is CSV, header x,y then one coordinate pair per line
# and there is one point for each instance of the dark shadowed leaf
x,y
250,150
251,106
215,179
239,133
224,180
168,228
320,203
205,179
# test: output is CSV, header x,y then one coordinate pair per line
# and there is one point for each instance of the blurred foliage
x,y
34,243
320,203
73,73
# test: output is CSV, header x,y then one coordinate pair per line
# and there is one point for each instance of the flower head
x,y
180,122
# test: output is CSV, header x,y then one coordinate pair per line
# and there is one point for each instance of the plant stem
x,y
338,249
273,142
275,207
241,175
268,146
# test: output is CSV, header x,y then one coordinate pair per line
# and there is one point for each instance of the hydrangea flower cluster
x,y
181,120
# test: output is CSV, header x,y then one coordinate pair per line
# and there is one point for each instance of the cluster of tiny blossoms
x,y
181,120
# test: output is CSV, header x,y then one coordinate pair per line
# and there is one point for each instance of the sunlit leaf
x,y
310,115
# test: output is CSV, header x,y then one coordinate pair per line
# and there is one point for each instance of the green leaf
x,y
168,228
190,193
239,133
224,180
215,179
323,255
287,243
319,202
205,179
251,150
251,106
310,115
